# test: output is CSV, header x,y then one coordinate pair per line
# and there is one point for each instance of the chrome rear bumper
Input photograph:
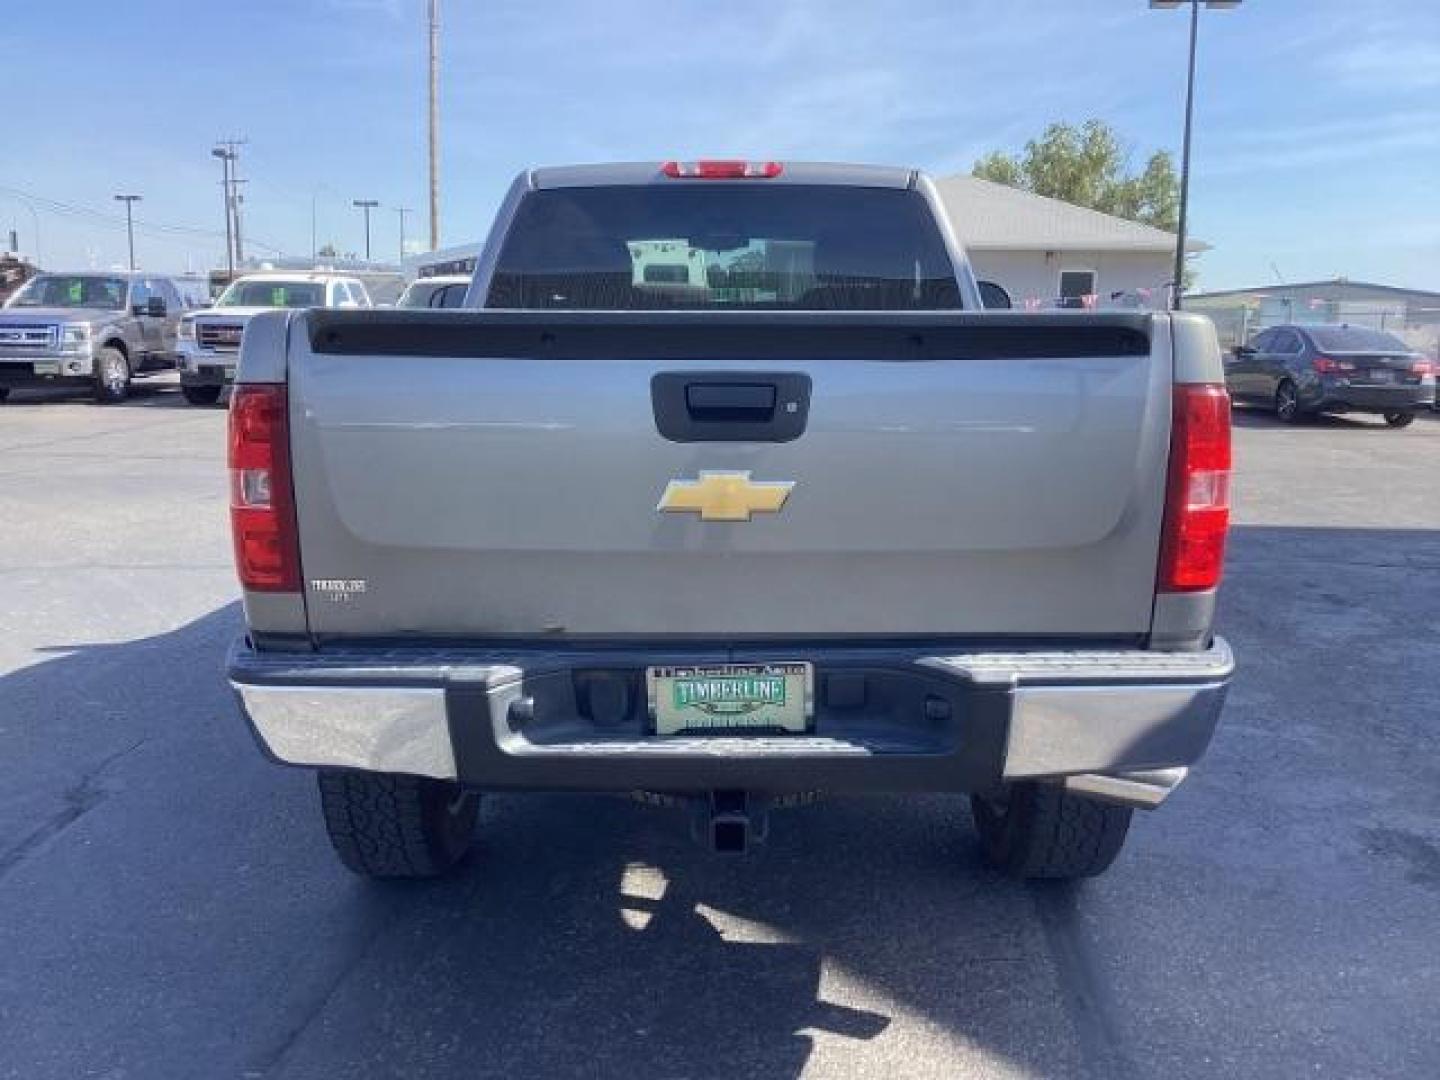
x,y
1115,724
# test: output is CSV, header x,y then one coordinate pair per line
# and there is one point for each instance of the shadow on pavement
x,y
161,392
1250,416
202,918
169,905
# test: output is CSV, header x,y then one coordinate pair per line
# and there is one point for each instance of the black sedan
x,y
1301,371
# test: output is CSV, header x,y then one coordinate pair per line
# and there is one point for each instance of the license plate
x,y
728,698
1382,375
46,368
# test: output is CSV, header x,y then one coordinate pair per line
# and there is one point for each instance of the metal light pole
x,y
366,205
1171,5
225,157
402,211
129,201
434,124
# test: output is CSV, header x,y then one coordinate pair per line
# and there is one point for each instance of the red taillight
x,y
1422,368
722,170
1197,497
1326,365
262,505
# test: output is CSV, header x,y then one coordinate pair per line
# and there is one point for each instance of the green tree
x,y
1089,166
328,252
1001,168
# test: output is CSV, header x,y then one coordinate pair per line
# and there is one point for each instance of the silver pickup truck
x,y
731,497
97,329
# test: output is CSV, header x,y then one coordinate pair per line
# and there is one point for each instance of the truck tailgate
x,y
488,474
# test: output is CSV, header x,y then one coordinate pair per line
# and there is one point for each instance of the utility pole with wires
x,y
235,183
434,124
227,150
402,211
129,201
224,156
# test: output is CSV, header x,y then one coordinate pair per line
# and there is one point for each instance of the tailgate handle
x,y
730,406
729,402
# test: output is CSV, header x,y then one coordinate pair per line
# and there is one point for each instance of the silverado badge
x,y
724,496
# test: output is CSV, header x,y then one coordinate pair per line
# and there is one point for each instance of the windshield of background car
x,y
418,294
1355,339
72,291
275,294
712,245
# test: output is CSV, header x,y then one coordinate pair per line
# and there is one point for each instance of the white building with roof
x,y
1048,253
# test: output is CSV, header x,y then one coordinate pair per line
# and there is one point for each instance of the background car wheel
x,y
112,376
386,825
201,395
1287,403
1038,831
1399,419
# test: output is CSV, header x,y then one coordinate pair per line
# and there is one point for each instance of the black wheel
x,y
4,392
112,376
385,825
1399,419
1038,831
1287,403
201,395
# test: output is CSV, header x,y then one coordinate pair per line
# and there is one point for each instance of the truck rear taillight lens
x,y
1422,368
722,170
1197,497
262,504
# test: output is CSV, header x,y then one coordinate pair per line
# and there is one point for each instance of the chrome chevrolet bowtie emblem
x,y
724,496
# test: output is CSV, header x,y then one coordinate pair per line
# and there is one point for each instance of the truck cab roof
x,y
791,172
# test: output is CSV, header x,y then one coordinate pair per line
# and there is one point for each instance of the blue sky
x,y
1317,147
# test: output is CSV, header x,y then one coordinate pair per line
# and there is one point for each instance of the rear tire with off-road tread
x,y
386,825
1039,831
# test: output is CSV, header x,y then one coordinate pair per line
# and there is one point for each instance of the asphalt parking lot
x,y
169,906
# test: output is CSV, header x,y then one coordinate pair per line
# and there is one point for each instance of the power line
x,y
152,228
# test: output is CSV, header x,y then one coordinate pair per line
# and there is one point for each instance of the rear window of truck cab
x,y
728,246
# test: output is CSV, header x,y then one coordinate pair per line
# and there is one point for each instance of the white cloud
x,y
1390,62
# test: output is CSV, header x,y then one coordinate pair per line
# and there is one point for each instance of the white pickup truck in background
x,y
210,339
731,495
